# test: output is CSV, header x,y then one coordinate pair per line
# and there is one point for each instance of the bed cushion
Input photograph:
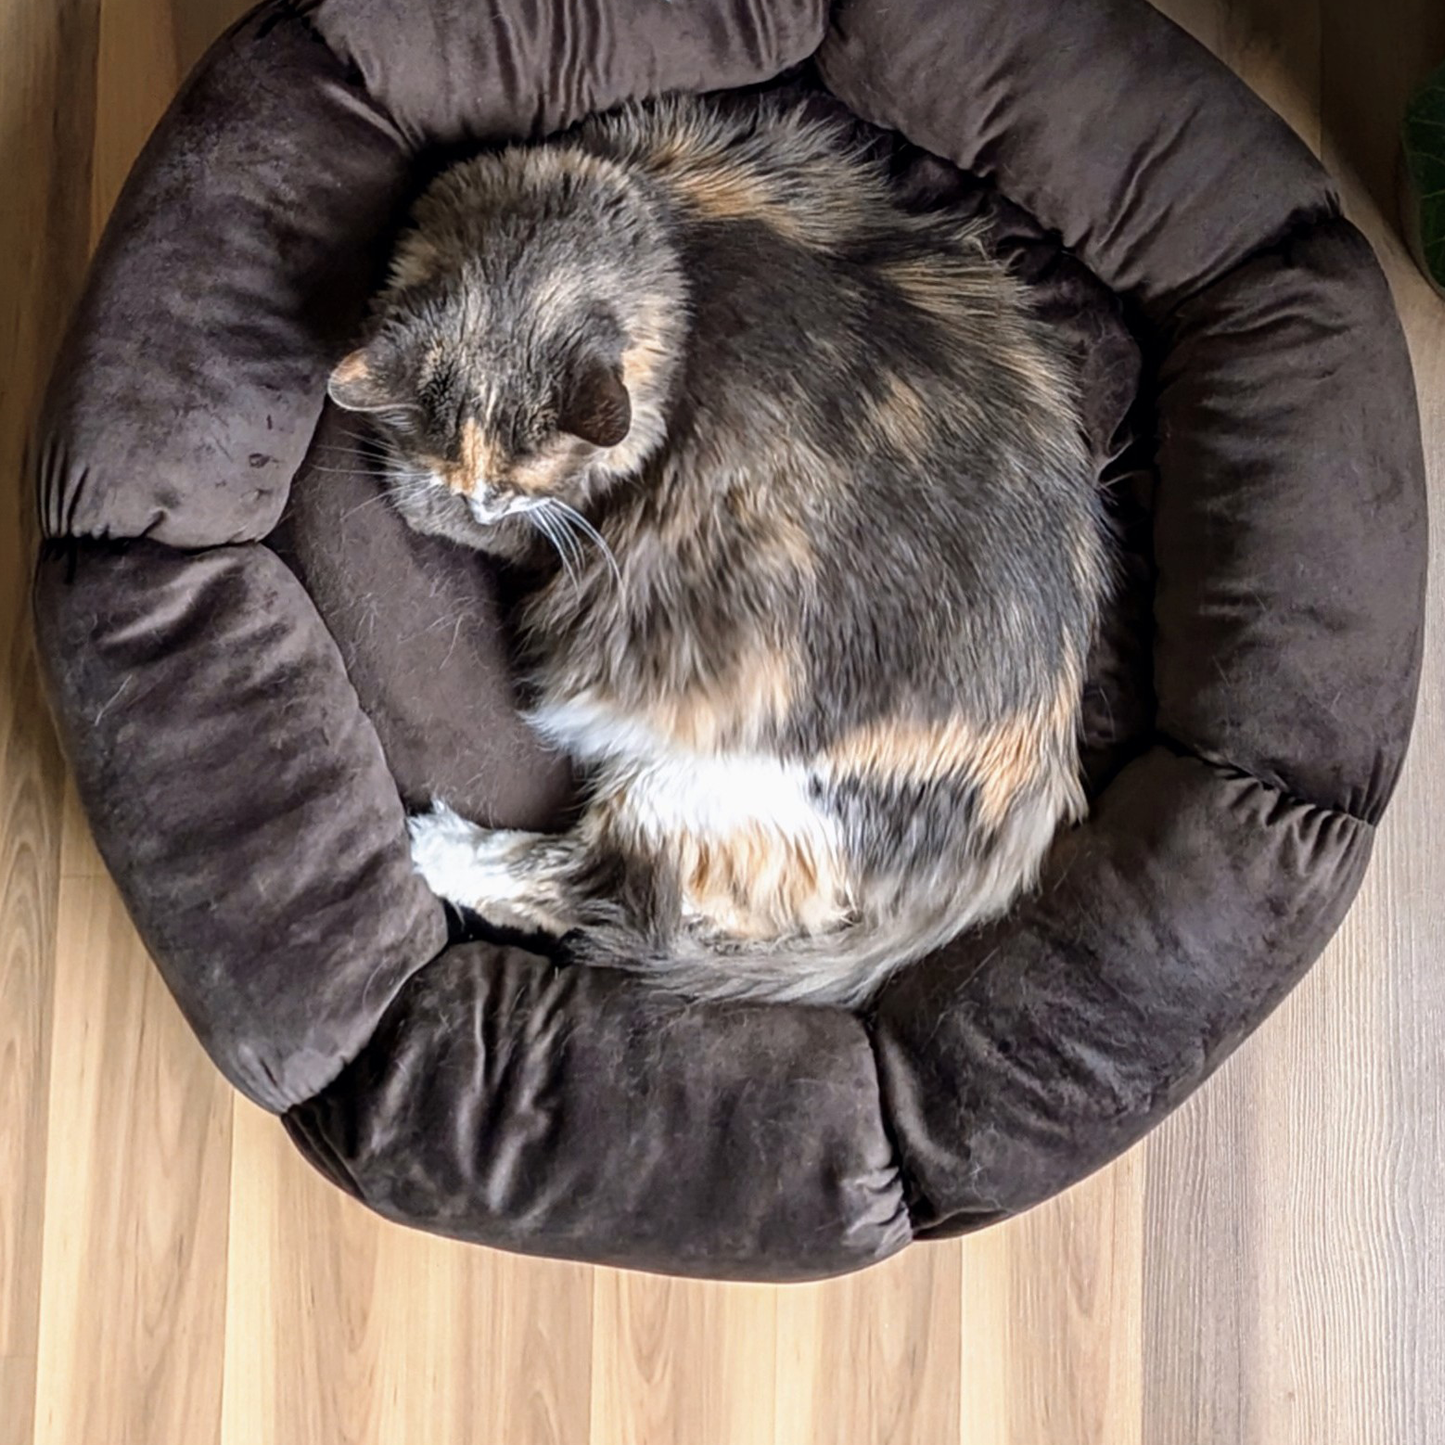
x,y
255,667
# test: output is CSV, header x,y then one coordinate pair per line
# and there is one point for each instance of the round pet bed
x,y
256,668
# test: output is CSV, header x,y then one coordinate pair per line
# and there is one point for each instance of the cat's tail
x,y
844,967
899,921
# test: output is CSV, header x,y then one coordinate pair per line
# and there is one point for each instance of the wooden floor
x,y
1269,1268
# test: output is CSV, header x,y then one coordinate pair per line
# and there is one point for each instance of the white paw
x,y
445,850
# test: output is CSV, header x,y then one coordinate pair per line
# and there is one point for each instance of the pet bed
x,y
256,668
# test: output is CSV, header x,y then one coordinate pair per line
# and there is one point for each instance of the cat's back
x,y
815,290
890,430
790,166
763,205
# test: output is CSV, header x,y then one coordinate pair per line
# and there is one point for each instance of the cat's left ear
x,y
596,406
356,386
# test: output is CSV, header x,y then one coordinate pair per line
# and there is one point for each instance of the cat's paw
x,y
444,850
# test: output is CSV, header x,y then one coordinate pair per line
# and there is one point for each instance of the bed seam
x,y
1300,221
907,1185
1179,748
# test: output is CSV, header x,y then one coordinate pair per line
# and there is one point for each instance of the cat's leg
x,y
513,879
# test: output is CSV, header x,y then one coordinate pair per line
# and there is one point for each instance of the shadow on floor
x,y
1366,57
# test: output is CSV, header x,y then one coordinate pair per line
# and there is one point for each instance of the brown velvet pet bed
x,y
256,667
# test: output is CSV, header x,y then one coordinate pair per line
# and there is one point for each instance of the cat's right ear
x,y
355,385
596,407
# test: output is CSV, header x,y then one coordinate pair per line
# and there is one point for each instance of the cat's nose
x,y
483,505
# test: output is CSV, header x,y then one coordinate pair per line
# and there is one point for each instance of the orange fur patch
x,y
896,747
901,417
735,710
480,460
776,534
932,285
1002,760
759,883
355,367
642,360
543,473
720,190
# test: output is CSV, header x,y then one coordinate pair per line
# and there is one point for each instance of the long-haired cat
x,y
830,546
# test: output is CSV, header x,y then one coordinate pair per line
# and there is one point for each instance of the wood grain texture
x,y
47,126
341,1328
1267,1269
666,1351
134,1260
873,1359
1075,1330
1291,1246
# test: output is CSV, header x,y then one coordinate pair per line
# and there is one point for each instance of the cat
x,y
826,546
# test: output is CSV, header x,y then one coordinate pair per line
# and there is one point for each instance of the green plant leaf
x,y
1424,140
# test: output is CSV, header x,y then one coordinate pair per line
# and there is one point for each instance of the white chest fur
x,y
753,848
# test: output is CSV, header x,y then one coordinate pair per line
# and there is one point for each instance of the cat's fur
x,y
825,675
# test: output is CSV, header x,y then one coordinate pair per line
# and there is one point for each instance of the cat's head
x,y
521,357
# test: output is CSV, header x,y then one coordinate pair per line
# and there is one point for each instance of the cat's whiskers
x,y
573,520
372,470
561,533
360,454
369,502
361,439
567,543
547,526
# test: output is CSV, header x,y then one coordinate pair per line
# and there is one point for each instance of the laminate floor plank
x,y
683,1360
47,108
874,1359
133,1282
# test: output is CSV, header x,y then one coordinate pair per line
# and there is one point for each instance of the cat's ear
x,y
596,407
355,385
